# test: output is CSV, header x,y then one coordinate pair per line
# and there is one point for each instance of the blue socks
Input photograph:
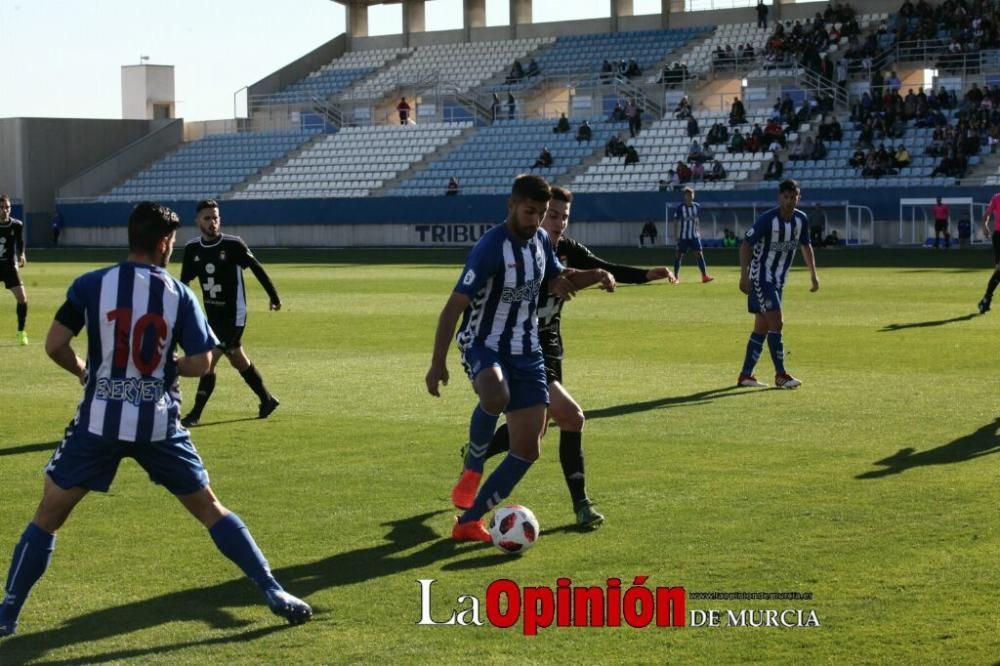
x,y
777,348
481,428
702,266
31,558
233,539
754,348
497,487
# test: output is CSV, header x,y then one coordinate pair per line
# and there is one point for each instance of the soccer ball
x,y
514,529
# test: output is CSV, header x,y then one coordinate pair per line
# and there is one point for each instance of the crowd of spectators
x,y
626,69
519,72
955,29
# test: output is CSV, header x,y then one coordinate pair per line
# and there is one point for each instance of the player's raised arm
x,y
438,372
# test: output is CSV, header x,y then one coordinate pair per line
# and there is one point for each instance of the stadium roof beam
x,y
474,13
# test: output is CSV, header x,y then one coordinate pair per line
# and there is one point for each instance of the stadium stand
x,y
584,54
353,162
660,147
464,65
208,167
486,163
336,76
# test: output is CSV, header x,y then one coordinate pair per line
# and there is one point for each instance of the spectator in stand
x,y
631,155
797,151
607,72
683,172
858,159
728,238
404,111
901,158
692,127
842,73
633,70
453,187
761,14
697,172
737,144
635,119
775,168
717,172
717,134
495,107
584,132
562,126
516,73
544,160
648,231
695,153
737,113
511,105
615,147
683,108
818,151
830,129
774,134
532,68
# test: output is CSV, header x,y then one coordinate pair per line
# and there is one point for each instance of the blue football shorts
x,y
763,297
524,374
91,462
689,245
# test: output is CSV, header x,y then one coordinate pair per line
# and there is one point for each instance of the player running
x,y
563,409
497,298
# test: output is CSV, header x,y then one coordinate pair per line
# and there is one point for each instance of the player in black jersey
x,y
218,260
12,258
563,409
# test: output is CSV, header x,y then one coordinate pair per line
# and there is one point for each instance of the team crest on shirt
x,y
539,261
222,255
197,259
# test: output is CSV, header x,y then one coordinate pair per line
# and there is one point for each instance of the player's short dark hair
x,y
530,186
205,203
789,185
148,224
561,194
4,197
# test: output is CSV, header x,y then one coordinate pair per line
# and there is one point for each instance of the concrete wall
x,y
38,155
104,175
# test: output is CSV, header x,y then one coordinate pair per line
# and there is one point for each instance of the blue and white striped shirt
x,y
687,216
774,244
136,315
503,276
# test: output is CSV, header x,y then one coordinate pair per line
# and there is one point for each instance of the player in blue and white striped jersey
x,y
497,297
766,255
136,314
687,217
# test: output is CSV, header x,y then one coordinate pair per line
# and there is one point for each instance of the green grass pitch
x,y
873,487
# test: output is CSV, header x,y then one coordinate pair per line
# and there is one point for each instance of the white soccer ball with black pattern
x,y
514,529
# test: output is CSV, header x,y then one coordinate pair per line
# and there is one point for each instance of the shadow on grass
x,y
209,604
659,403
29,448
889,328
494,557
209,424
980,443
